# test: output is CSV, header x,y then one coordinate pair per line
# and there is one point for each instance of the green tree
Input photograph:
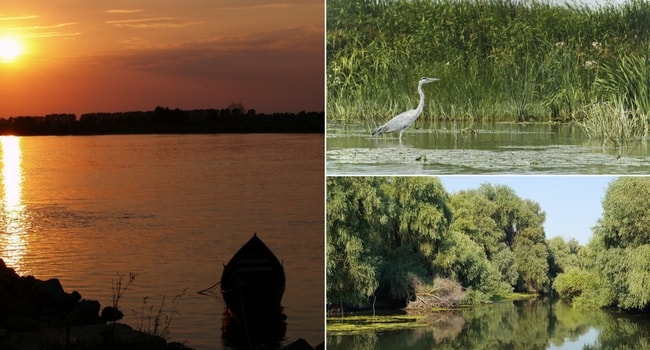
x,y
510,230
626,213
639,278
572,283
475,216
418,218
464,260
353,206
618,277
381,233
621,246
563,255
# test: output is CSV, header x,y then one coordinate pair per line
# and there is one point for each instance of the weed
x,y
118,288
158,322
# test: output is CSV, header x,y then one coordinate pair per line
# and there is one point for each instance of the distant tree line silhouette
x,y
234,119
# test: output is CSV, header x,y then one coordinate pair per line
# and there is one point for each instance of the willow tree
x,y
510,230
354,208
381,234
626,213
418,220
622,244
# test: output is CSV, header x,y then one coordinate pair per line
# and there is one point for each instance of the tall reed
x,y
498,59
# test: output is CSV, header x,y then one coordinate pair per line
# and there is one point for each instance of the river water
x,y
173,209
487,148
533,324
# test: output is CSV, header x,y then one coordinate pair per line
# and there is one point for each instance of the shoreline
x,y
40,314
164,121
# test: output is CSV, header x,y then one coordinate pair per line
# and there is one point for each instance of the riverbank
x,y
164,120
40,314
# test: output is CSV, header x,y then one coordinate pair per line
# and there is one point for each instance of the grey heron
x,y
405,119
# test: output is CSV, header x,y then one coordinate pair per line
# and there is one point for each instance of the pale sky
x,y
573,204
592,2
86,56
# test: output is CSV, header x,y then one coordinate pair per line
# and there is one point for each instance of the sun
x,y
10,49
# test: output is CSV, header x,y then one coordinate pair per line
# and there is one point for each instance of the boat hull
x,y
253,281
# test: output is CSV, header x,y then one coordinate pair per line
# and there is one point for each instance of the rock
x,y
24,286
112,314
177,346
85,313
7,273
101,336
22,324
11,305
36,313
300,344
51,293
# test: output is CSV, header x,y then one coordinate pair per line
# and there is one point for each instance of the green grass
x,y
498,60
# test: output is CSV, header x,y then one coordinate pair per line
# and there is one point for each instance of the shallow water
x,y
173,209
534,324
495,148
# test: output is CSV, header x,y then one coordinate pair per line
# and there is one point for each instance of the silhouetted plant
x,y
119,289
158,324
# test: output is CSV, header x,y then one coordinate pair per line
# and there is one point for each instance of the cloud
x,y
46,31
263,4
124,11
228,57
154,22
52,34
237,6
17,18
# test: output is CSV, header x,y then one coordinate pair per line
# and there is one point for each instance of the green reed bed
x,y
500,59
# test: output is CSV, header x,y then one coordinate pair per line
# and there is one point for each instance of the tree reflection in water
x,y
531,324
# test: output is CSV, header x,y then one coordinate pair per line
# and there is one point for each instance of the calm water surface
x,y
173,209
532,324
494,148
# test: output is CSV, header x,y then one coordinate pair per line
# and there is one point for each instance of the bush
x,y
571,284
444,293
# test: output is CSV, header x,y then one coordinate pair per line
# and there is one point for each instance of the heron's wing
x,y
399,122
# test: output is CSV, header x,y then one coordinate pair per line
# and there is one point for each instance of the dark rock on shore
x,y
112,314
302,344
86,312
98,336
27,303
36,314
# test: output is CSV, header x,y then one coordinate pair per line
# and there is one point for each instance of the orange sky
x,y
90,56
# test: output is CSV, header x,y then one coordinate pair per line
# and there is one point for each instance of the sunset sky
x,y
83,56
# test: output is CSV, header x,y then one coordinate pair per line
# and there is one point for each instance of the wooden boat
x,y
253,281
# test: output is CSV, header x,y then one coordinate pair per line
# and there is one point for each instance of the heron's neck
x,y
421,104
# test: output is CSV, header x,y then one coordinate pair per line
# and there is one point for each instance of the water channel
x,y
492,148
530,324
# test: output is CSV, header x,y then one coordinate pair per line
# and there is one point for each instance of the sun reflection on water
x,y
13,223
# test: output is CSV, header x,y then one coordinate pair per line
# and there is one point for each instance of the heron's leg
x,y
400,135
